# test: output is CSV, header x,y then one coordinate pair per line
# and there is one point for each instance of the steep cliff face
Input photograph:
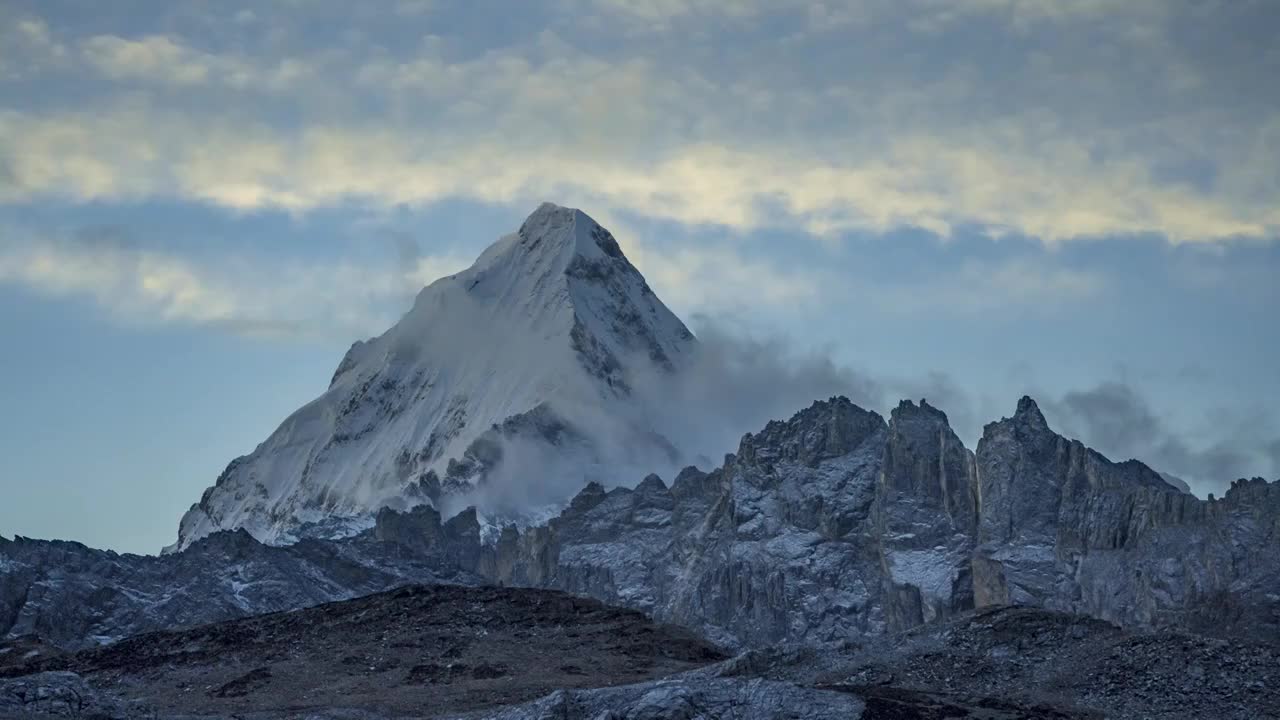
x,y
783,551
1043,497
926,517
1062,527
836,524
776,544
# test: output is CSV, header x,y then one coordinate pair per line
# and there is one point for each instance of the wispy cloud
x,y
1117,419
924,15
166,61
975,287
27,46
723,280
923,182
244,295
156,58
1132,138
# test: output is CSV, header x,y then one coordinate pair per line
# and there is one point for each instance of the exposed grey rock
x,y
782,552
62,695
1062,527
835,525
773,545
74,596
926,517
692,698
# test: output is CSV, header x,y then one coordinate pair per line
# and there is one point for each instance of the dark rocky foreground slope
x,y
522,654
1002,663
412,652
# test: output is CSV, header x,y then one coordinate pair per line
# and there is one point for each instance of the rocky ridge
x,y
836,524
832,525
71,597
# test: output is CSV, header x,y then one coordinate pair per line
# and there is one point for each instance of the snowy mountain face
x,y
508,385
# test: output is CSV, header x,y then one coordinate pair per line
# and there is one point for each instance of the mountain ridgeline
x,y
513,386
831,526
836,525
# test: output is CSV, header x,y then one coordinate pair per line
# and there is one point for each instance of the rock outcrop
x,y
1063,527
926,517
836,524
73,596
773,545
63,695
694,697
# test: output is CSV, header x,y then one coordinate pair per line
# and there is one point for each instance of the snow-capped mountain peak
x,y
554,234
545,330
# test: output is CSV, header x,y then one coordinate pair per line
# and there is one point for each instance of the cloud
x,y
151,58
164,60
1024,13
922,182
923,15
1055,143
659,15
27,47
739,381
735,383
723,280
1118,421
244,295
979,286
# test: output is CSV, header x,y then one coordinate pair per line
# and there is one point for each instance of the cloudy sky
x,y
203,203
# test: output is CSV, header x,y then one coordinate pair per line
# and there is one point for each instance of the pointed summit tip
x,y
907,408
651,483
569,228
550,209
1029,411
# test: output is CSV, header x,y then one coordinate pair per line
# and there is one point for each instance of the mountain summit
x,y
529,355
